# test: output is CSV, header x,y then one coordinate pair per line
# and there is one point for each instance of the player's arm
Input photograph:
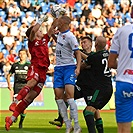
x,y
112,60
8,81
36,27
51,31
83,56
78,59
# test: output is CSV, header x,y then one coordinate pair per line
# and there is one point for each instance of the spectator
x,y
14,12
36,7
110,20
3,29
6,68
11,57
25,5
8,41
85,10
14,31
27,19
2,61
23,28
9,21
96,12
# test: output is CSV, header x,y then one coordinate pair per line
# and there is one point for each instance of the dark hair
x,y
86,37
29,31
23,49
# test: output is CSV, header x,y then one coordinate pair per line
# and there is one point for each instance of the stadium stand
x,y
119,9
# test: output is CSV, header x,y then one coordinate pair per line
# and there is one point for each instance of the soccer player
x,y
98,89
36,76
86,44
65,72
19,69
121,58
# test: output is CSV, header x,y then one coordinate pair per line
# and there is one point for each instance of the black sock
x,y
59,115
22,116
89,118
99,125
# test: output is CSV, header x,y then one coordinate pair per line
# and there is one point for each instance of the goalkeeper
x,y
36,76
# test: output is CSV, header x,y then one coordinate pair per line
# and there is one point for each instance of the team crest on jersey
x,y
26,67
43,41
89,97
36,43
63,36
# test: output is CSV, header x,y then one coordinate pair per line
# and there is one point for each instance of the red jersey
x,y
39,52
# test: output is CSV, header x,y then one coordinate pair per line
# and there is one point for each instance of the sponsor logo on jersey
x,y
127,94
26,67
89,97
60,43
36,43
128,71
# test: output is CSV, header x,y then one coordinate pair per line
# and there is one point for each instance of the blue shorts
x,y
124,102
64,75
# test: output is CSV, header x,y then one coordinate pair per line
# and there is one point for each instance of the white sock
x,y
73,111
63,111
13,118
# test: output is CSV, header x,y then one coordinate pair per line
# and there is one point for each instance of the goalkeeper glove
x,y
43,19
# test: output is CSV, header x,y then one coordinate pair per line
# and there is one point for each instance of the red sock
x,y
20,108
22,93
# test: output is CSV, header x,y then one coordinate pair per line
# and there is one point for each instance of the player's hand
x,y
44,18
77,71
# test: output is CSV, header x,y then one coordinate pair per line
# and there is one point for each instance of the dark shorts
x,y
97,97
17,87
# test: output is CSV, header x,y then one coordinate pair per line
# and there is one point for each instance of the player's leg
x,y
98,122
59,121
59,93
22,117
88,113
22,93
124,127
69,81
23,105
69,89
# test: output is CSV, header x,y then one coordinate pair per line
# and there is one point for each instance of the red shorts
x,y
37,73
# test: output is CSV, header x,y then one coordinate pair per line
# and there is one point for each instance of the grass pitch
x,y
38,122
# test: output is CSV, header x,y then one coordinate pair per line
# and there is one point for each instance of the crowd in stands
x,y
89,17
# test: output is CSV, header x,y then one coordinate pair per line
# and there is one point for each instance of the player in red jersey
x,y
36,76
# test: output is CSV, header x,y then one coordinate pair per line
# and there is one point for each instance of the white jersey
x,y
122,44
65,47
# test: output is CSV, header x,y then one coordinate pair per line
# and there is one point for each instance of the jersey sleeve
x,y
73,42
115,47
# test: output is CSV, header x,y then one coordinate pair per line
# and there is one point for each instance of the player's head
x,y
100,43
23,54
63,23
38,33
86,43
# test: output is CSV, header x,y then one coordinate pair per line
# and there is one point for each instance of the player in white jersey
x,y
65,72
122,48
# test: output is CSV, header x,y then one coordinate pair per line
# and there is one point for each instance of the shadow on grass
x,y
51,130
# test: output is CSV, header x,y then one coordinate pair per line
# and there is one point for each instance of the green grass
x,y
38,122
